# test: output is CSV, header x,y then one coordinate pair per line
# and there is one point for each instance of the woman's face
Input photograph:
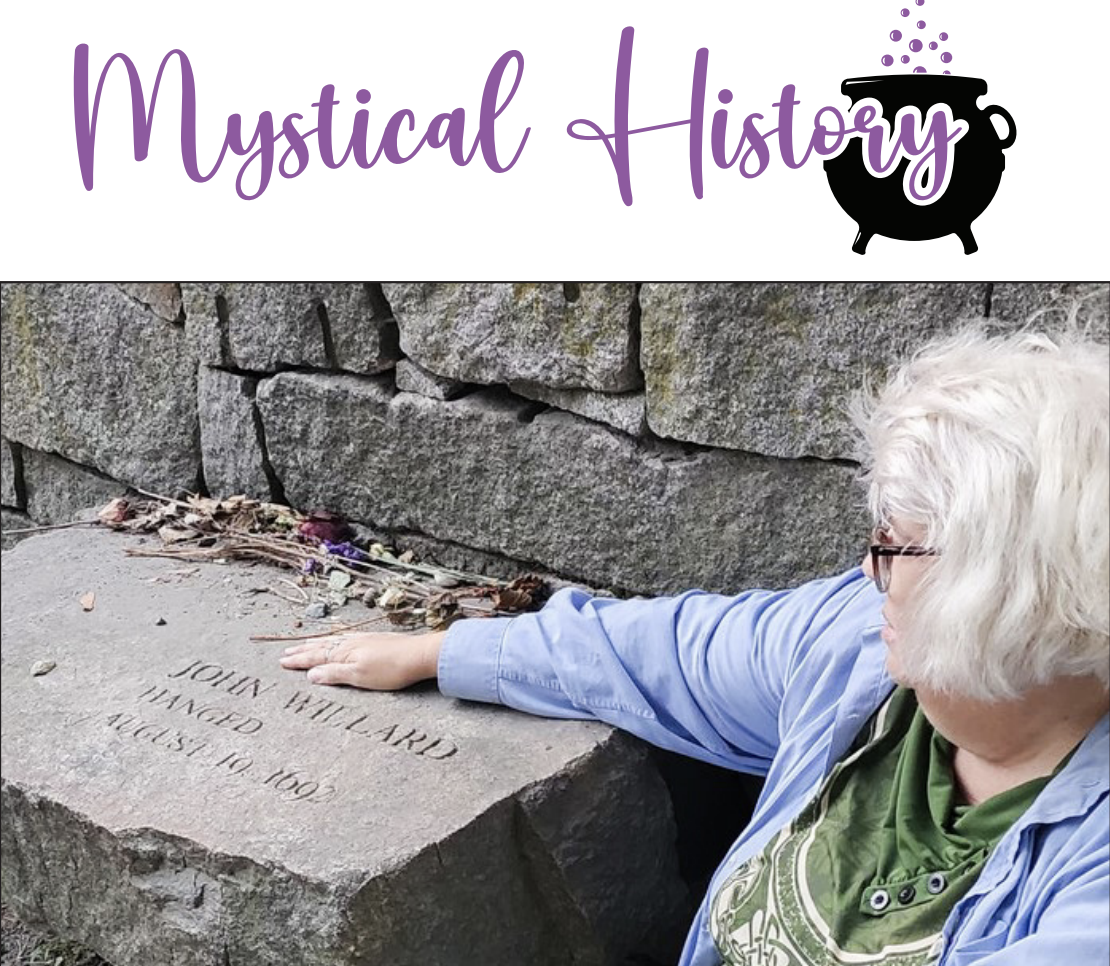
x,y
905,575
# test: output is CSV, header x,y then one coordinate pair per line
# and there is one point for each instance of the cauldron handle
x,y
1011,134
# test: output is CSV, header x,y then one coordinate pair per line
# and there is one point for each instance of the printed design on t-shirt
x,y
763,915
765,912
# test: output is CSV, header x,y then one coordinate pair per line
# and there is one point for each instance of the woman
x,y
932,726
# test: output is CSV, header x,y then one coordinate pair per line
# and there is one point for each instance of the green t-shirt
x,y
869,871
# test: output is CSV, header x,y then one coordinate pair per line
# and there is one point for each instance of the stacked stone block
x,y
644,437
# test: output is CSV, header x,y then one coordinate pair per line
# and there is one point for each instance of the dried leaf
x,y
380,552
338,580
445,580
115,512
152,519
205,505
529,583
88,601
175,534
506,598
392,596
442,608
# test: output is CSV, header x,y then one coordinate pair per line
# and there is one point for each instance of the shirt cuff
x,y
469,658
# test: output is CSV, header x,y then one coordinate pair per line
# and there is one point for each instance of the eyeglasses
x,y
883,554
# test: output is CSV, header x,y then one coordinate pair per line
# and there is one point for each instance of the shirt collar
x,y
867,687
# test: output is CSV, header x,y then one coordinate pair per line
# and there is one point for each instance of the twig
x,y
297,587
55,526
286,597
328,633
164,499
199,553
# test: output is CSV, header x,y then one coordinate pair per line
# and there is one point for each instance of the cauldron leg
x,y
971,246
863,236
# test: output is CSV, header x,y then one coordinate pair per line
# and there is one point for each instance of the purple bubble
x,y
932,45
919,70
904,12
921,25
915,45
887,60
905,58
948,72
946,58
920,3
896,35
944,36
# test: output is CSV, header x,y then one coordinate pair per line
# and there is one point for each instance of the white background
x,y
558,213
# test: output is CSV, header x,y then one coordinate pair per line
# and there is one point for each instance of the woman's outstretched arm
x,y
715,677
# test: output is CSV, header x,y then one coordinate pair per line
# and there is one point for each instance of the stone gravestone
x,y
172,796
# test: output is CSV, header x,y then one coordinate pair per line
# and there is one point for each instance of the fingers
x,y
324,651
323,659
312,645
332,674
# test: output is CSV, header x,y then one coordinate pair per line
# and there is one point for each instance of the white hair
x,y
998,449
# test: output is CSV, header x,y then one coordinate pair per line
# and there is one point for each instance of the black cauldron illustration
x,y
879,205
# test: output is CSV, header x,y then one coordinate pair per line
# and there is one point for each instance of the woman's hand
x,y
377,661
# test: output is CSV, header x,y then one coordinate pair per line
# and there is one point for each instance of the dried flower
x,y
326,526
346,550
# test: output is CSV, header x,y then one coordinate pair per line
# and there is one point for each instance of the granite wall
x,y
642,437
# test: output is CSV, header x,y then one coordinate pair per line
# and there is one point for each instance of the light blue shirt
x,y
778,684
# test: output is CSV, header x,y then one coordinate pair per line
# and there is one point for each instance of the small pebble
x,y
161,622
316,611
40,668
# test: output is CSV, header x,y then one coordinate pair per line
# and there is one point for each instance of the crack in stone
x,y
18,480
326,335
277,488
380,309
635,342
201,482
531,410
223,325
